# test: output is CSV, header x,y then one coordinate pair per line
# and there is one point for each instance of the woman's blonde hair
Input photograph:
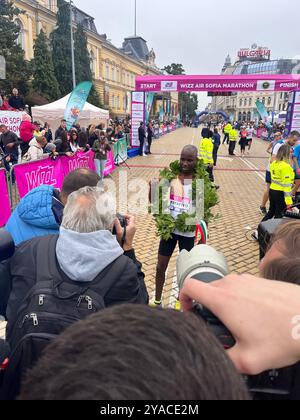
x,y
284,153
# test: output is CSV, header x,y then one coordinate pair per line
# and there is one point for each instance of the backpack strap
x,y
109,276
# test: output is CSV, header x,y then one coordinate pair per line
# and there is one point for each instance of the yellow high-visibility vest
x,y
233,135
206,151
227,128
283,178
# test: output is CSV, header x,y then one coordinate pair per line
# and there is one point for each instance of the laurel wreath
x,y
165,223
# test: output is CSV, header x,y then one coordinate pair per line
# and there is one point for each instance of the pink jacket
x,y
26,131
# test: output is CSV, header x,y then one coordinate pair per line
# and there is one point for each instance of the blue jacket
x,y
38,214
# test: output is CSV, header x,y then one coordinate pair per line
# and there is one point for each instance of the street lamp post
x,y
72,47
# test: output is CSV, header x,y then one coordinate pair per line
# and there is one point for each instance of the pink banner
x,y
4,200
43,172
224,83
80,160
110,164
51,172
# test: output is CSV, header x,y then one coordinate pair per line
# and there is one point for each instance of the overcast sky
x,y
200,33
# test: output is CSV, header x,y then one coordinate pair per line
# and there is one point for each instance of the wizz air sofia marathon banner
x,y
4,200
219,83
76,103
12,120
137,116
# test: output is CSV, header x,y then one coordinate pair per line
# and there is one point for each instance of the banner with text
x,y
219,83
293,114
137,116
12,120
52,172
4,199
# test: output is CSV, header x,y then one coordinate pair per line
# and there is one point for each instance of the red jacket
x,y
6,107
26,131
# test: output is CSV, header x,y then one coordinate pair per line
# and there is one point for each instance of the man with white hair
x,y
84,249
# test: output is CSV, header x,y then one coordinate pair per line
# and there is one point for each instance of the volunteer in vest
x,y
227,129
206,154
273,150
233,138
282,177
181,192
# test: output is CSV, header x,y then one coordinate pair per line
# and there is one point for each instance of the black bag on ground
x,y
49,308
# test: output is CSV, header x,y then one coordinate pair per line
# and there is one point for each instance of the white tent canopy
x,y
53,114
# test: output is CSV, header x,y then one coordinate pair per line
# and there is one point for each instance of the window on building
x,y
113,101
127,79
103,70
118,75
245,102
264,101
107,72
132,80
240,116
269,100
250,101
119,103
244,116
93,63
124,103
249,116
241,102
113,74
280,107
123,78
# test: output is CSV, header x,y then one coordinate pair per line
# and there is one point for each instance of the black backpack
x,y
49,308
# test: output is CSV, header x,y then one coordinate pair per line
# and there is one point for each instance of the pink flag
x,y
4,200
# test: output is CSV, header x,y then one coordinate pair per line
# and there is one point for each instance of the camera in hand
x,y
123,223
7,246
207,265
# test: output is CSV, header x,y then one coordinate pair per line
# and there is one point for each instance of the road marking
x,y
257,170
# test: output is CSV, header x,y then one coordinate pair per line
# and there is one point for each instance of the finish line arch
x,y
223,114
221,83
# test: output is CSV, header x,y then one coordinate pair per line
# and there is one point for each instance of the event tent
x,y
53,113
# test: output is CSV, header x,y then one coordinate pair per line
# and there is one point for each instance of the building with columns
x,y
114,69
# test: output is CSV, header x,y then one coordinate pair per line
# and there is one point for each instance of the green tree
x,y
83,64
17,68
174,69
188,102
61,49
44,80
